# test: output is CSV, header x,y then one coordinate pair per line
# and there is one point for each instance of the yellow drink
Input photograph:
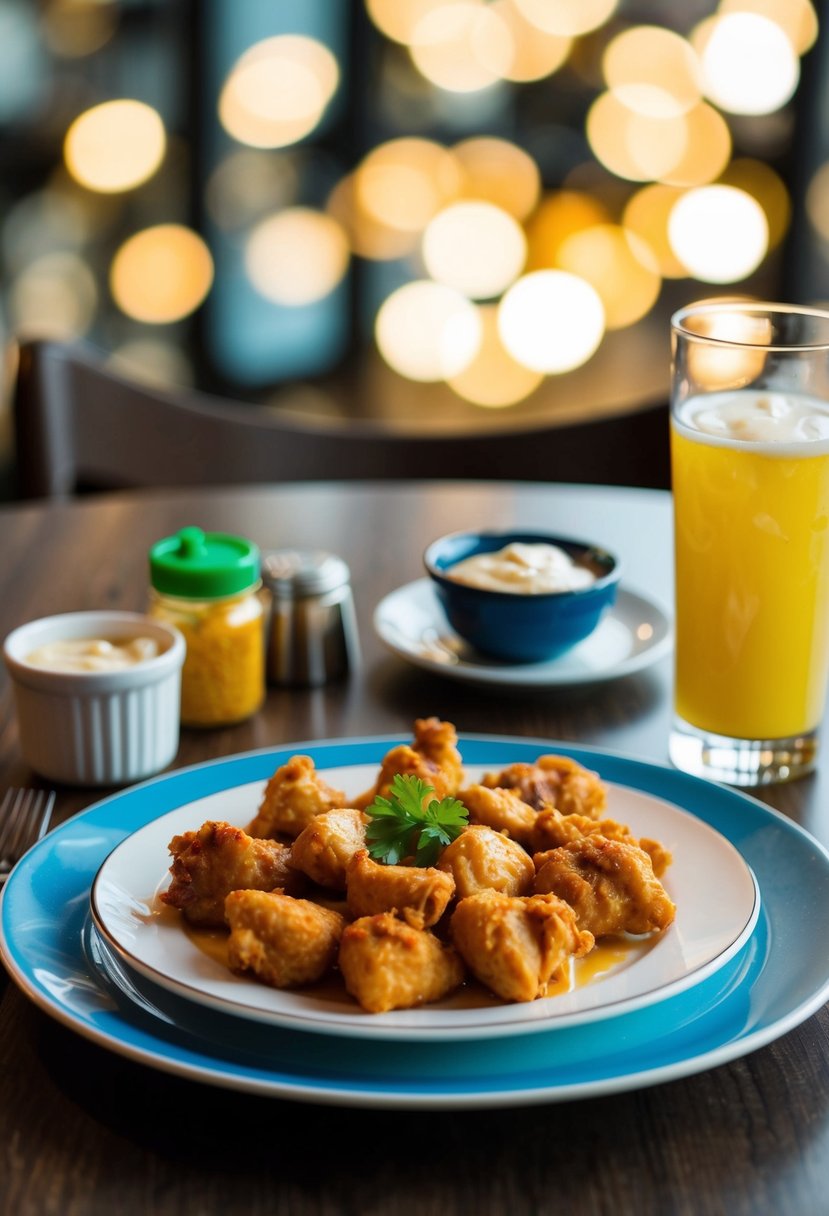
x,y
752,573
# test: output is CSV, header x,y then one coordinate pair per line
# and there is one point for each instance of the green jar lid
x,y
203,565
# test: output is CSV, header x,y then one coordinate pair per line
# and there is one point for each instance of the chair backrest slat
x,y
79,425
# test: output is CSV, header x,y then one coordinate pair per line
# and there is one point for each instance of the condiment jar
x,y
207,585
312,638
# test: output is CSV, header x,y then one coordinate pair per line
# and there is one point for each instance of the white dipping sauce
x,y
523,569
93,654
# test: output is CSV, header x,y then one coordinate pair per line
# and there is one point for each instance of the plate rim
x,y
517,674
128,1041
370,1029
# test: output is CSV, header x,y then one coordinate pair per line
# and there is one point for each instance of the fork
x,y
24,818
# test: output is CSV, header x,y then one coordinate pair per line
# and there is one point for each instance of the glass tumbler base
x,y
741,762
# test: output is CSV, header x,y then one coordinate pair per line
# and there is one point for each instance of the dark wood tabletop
x,y
84,1131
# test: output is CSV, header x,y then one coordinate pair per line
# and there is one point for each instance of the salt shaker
x,y
313,628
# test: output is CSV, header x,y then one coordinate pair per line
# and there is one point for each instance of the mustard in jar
x,y
207,585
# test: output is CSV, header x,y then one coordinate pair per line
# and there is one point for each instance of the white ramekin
x,y
97,727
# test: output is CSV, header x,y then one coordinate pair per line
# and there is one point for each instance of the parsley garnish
x,y
402,826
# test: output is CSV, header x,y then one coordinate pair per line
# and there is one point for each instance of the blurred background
x,y
441,214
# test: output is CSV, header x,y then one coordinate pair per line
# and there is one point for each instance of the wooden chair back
x,y
81,426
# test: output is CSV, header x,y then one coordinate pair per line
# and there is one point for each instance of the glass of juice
x,y
750,472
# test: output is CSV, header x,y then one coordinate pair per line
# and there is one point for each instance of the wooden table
x,y
84,1131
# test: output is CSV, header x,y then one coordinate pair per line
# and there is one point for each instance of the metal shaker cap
x,y
296,573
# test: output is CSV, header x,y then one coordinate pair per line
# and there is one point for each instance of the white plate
x,y
714,890
634,633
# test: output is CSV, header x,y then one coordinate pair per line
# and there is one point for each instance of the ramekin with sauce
x,y
522,596
97,695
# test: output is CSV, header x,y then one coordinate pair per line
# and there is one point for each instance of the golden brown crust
x,y
500,809
610,884
481,859
554,781
324,848
292,797
285,942
432,755
552,830
387,964
217,859
517,945
420,895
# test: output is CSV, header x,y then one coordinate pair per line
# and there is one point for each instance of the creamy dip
x,y
93,654
523,569
751,416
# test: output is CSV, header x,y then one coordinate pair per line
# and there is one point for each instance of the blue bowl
x,y
517,626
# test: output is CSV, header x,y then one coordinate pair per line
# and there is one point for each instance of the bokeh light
x,y
767,187
476,248
446,41
647,213
797,18
398,19
247,184
402,184
551,321
494,379
749,65
54,297
428,332
639,147
621,268
517,50
368,236
568,18
707,148
498,172
115,146
719,232
635,144
161,274
561,213
278,91
73,28
653,71
296,256
47,221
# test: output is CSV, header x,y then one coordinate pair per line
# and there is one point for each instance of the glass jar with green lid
x,y
207,585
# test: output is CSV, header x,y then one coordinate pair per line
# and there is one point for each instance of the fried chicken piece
x,y
481,859
420,894
660,857
293,796
610,884
552,829
285,942
437,741
500,809
217,859
554,781
324,848
516,945
432,756
387,964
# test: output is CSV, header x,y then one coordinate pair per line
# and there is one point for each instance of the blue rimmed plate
x,y
776,980
715,893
